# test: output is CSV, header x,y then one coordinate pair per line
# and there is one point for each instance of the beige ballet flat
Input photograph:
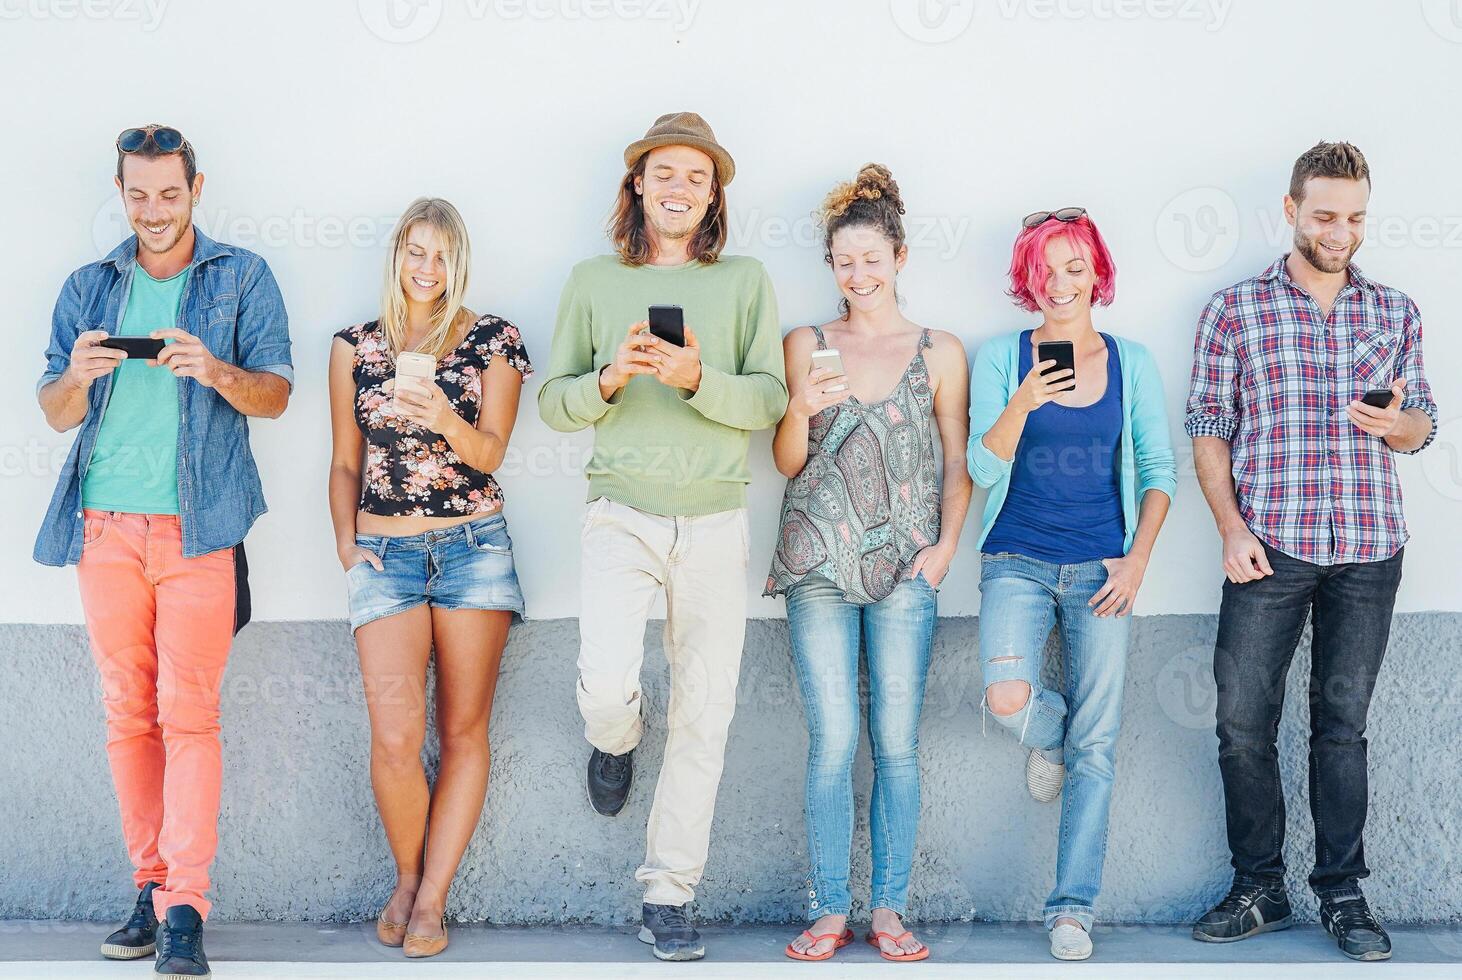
x,y
421,946
390,933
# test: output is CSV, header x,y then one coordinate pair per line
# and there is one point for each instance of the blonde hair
x,y
451,231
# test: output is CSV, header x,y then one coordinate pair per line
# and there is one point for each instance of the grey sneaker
x,y
1355,929
1247,910
1043,777
669,929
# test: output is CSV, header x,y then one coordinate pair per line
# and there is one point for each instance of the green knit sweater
x,y
659,449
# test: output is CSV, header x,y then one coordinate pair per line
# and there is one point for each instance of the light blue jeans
x,y
1020,600
898,634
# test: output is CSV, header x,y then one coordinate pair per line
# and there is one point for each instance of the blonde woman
x,y
427,558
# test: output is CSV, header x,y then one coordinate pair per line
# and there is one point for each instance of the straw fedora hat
x,y
683,129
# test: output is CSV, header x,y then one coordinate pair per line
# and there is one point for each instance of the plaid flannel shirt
x,y
1273,376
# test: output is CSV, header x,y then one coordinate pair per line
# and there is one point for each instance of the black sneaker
x,y
1355,929
180,944
1248,909
669,929
138,938
609,781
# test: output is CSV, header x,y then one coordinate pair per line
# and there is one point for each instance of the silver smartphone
x,y
412,368
833,361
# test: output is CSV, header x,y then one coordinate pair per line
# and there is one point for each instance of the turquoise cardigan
x,y
1146,451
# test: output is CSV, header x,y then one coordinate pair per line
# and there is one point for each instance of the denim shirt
x,y
233,305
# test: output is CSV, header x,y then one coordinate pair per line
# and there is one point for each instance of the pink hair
x,y
1028,269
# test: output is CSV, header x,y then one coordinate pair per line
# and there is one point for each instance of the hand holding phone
x,y
826,385
90,360
1045,382
832,360
412,368
1378,397
668,323
1063,352
1374,413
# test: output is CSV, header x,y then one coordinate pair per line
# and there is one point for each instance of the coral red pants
x,y
160,626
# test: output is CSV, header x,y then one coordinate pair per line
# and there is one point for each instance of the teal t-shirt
x,y
134,467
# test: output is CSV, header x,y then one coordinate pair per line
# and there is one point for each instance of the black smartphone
x,y
1378,397
668,323
1063,352
143,347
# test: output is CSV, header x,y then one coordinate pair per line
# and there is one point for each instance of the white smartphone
x,y
832,360
413,366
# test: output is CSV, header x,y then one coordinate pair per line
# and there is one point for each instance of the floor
x,y
57,950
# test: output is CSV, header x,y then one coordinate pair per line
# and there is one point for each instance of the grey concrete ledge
x,y
239,950
301,841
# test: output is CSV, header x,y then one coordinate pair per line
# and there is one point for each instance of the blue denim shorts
x,y
467,566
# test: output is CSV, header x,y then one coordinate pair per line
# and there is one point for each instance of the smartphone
x,y
668,323
833,361
1063,352
413,366
1378,397
143,347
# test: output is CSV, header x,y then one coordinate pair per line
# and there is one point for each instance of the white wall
x,y
1174,121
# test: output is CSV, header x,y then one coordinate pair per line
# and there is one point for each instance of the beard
x,y
180,225
671,233
1318,257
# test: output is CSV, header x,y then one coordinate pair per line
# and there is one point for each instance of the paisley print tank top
x,y
867,500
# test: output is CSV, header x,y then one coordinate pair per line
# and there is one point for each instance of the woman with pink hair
x,y
1069,432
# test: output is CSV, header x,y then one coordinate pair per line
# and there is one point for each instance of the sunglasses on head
x,y
165,138
1041,217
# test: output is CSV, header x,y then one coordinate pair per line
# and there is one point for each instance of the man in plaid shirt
x,y
1298,471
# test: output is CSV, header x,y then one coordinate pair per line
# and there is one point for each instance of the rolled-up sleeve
x,y
65,328
263,325
1213,408
1409,365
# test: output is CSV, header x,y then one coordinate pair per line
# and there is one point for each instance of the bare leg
x,y
469,646
393,656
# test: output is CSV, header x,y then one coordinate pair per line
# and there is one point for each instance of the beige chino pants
x,y
700,562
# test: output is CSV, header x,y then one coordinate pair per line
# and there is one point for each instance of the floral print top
x,y
411,471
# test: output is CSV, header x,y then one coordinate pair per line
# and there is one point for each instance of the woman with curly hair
x,y
868,529
427,558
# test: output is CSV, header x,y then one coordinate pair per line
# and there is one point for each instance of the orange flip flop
x,y
874,937
843,940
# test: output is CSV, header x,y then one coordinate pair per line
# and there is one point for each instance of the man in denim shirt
x,y
152,505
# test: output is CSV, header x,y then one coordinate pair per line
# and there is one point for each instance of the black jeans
x,y
1259,626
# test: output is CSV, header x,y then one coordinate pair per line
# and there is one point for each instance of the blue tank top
x,y
1064,504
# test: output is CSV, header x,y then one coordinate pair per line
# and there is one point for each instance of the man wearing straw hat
x,y
667,488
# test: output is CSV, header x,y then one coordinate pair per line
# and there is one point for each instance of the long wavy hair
x,y
626,225
448,310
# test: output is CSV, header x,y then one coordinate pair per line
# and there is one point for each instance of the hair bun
x,y
874,183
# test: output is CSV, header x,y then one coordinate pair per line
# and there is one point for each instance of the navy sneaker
x,y
1247,910
609,780
138,938
669,930
180,944
1355,929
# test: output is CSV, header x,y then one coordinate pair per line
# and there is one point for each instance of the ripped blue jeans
x,y
1021,598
